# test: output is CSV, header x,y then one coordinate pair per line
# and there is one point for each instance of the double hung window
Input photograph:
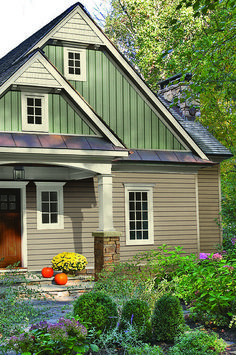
x,y
50,205
139,213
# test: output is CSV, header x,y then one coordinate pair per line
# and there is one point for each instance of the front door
x,y
10,227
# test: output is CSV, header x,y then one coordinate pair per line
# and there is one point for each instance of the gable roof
x,y
195,135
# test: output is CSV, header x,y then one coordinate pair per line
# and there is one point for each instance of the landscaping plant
x,y
16,307
69,262
167,319
96,310
197,343
137,312
66,337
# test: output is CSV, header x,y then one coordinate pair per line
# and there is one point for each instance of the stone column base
x,y
106,250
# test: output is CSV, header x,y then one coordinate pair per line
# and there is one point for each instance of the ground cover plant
x,y
15,308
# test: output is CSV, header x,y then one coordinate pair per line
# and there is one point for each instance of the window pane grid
x,y
49,207
74,63
138,215
34,110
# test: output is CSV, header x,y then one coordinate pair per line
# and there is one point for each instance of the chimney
x,y
174,91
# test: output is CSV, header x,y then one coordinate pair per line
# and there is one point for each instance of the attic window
x,y
34,112
75,64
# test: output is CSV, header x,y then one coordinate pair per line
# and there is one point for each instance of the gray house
x,y
91,160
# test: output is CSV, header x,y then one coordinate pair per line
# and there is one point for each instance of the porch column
x,y
106,239
105,203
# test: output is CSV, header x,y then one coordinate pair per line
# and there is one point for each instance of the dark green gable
x,y
117,102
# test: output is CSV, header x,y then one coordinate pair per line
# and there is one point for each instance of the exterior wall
x,y
80,220
62,118
117,102
209,208
175,210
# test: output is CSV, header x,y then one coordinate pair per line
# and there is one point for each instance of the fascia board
x,y
72,93
114,154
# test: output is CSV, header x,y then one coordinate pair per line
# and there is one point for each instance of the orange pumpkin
x,y
61,279
47,272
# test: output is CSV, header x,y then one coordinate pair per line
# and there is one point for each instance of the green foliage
x,y
197,343
167,318
210,290
15,307
144,349
96,310
65,337
137,312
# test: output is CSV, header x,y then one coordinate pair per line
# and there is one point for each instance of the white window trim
x,y
34,127
143,188
47,186
78,77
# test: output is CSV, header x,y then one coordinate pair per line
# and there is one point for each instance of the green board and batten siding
x,y
62,118
118,103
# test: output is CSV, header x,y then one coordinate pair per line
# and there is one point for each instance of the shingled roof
x,y
12,61
201,136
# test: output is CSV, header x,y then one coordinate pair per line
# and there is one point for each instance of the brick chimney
x,y
174,91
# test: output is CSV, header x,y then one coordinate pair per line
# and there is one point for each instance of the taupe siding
x,y
174,204
81,219
209,208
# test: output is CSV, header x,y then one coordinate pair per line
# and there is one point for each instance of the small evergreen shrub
x,y
167,319
137,312
96,310
197,343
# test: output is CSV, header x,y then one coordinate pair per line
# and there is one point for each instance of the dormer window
x,y
34,112
75,64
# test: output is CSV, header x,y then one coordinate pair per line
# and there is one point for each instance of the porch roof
x,y
53,141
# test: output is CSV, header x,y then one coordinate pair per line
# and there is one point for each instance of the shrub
x,y
69,262
137,312
197,343
144,349
210,290
167,319
65,337
96,310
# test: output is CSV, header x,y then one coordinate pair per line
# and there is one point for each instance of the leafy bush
x,y
69,262
197,343
137,312
96,310
167,319
210,290
65,337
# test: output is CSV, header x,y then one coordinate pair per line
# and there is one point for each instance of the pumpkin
x,y
61,279
47,272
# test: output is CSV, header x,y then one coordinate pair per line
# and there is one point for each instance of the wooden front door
x,y
10,227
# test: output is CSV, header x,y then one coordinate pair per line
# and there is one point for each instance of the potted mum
x,y
69,263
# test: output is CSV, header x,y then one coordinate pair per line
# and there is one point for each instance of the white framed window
x,y
34,112
50,213
139,214
75,64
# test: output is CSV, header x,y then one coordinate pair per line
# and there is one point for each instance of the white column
x,y
105,203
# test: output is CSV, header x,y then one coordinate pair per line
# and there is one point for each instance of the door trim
x,y
21,185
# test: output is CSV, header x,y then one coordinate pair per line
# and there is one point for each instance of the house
x,y
91,160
